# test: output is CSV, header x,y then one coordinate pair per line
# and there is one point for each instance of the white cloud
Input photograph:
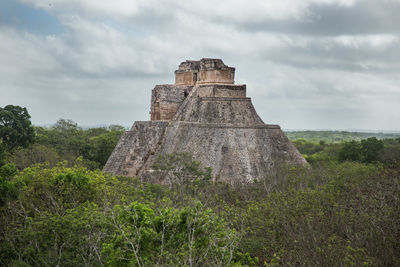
x,y
124,8
237,10
101,67
377,41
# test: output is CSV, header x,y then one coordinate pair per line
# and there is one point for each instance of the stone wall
x,y
204,71
222,90
236,154
216,76
135,147
166,99
186,78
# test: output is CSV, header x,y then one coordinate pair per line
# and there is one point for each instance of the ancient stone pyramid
x,y
206,114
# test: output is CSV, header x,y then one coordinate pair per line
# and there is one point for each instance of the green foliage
x,y
370,149
390,155
344,211
7,186
337,136
350,151
57,216
190,236
15,127
66,141
71,216
100,146
65,137
309,148
366,151
36,153
8,170
335,222
333,214
181,171
4,154
59,188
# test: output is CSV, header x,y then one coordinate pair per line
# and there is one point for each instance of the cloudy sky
x,y
308,64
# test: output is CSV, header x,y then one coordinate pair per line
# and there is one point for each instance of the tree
x,y
101,145
15,127
63,125
67,138
69,141
189,236
391,152
4,154
7,187
180,170
36,153
350,151
370,149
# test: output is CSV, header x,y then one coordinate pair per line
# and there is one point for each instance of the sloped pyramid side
x,y
224,133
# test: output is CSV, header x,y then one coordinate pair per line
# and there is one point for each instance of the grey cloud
x,y
337,67
317,56
364,17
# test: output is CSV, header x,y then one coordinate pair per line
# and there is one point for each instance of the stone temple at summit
x,y
207,114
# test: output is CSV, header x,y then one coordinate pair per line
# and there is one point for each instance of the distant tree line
x,y
370,150
337,136
24,144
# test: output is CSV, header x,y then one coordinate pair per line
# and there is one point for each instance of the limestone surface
x,y
213,120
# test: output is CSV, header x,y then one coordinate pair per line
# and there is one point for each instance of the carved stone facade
x,y
205,71
206,114
213,77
